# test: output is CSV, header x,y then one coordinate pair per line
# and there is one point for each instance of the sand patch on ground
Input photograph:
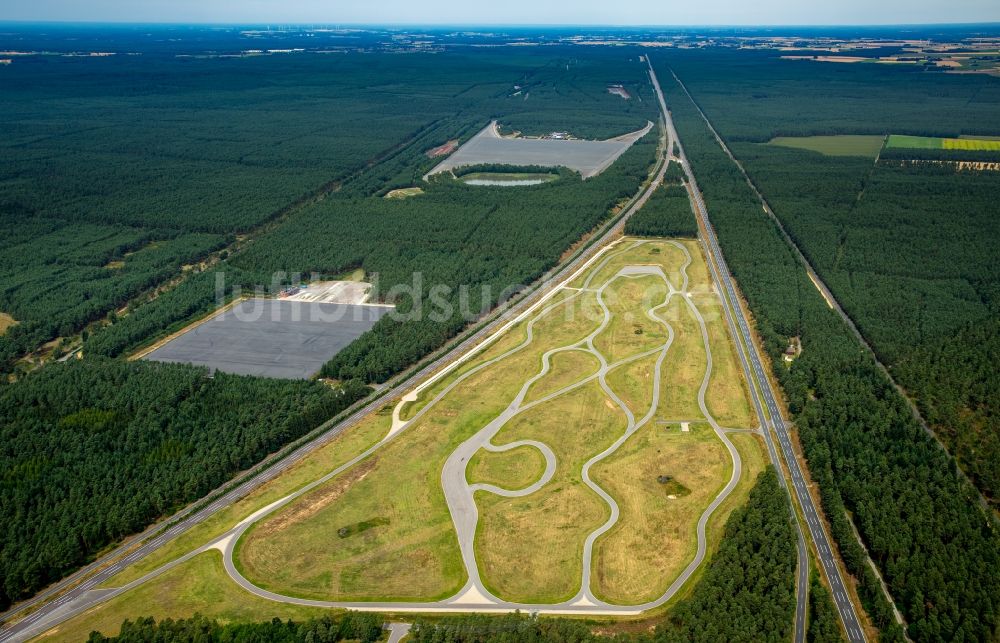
x,y
316,501
6,321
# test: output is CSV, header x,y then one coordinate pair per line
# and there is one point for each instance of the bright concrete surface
x,y
333,292
589,158
271,337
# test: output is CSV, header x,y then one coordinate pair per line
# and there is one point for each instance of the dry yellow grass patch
x,y
530,549
403,193
199,585
727,396
684,367
6,321
633,383
655,536
630,331
514,469
566,368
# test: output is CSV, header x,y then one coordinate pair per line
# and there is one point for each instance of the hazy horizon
x,y
585,13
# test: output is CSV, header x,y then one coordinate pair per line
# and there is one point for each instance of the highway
x,y
76,598
79,592
763,393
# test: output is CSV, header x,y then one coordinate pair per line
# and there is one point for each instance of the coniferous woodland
x,y
161,166
119,226
667,213
907,246
94,450
937,549
352,626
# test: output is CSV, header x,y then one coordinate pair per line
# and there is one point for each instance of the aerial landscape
x,y
630,323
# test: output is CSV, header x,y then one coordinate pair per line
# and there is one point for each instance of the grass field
x,y
566,367
932,143
199,585
416,555
530,549
843,145
514,469
655,538
630,331
382,530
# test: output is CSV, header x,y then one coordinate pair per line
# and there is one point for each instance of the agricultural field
x,y
634,413
843,145
932,143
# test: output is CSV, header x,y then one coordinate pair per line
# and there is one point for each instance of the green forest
x,y
123,175
153,162
747,594
94,450
480,240
937,549
352,626
667,213
908,249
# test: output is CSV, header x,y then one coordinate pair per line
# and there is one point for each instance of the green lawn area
x,y
508,177
845,145
914,142
199,585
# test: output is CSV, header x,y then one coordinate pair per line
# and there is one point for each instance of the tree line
x,y
351,626
934,545
94,450
667,213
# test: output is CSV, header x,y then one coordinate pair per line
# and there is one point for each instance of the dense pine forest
x,y
487,240
937,549
122,223
94,450
908,249
120,171
666,214
352,626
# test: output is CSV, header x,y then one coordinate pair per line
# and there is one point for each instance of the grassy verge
x,y
199,585
346,446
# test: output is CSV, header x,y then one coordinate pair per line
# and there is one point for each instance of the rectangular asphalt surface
x,y
271,337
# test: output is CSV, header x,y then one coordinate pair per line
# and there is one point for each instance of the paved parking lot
x,y
271,338
589,158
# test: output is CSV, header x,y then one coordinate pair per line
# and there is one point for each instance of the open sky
x,y
576,12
